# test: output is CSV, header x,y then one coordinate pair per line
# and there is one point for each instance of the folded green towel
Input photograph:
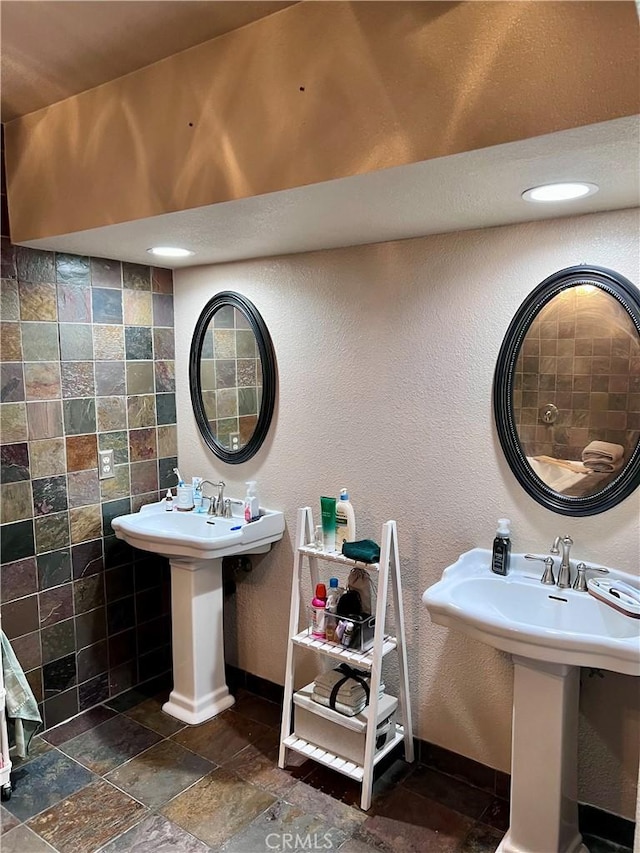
x,y
364,550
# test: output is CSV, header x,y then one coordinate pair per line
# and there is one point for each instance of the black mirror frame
x,y
268,364
628,480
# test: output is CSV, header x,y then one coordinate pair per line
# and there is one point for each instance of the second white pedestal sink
x,y
195,545
550,633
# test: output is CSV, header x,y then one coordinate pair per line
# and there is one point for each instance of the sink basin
x,y
550,633
520,615
195,544
197,535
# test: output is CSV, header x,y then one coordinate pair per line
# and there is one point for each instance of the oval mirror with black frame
x,y
566,391
232,377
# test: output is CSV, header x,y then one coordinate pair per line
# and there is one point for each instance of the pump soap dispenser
x,y
501,548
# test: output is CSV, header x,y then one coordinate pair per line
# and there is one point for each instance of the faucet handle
x,y
580,583
547,576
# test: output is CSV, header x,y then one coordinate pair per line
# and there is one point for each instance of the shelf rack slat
x,y
330,759
363,660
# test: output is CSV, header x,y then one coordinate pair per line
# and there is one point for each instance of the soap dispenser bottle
x,y
345,520
501,548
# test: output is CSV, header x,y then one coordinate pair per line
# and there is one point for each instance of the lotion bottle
x,y
345,520
501,548
318,611
251,502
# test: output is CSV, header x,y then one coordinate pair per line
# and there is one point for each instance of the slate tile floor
x,y
126,778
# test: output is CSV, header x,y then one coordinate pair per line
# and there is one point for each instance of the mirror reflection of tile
x,y
581,353
231,377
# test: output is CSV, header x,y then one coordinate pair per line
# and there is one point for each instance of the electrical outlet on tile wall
x,y
105,458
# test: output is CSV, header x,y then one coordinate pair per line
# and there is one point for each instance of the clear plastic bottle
x,y
345,520
331,620
197,493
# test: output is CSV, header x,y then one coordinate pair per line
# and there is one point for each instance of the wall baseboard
x,y
611,827
592,820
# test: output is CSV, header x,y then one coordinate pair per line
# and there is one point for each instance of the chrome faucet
x,y
216,504
564,575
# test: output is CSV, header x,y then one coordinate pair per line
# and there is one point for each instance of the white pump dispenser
x,y
345,520
251,502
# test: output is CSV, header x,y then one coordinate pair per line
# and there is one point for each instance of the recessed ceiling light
x,y
559,192
169,252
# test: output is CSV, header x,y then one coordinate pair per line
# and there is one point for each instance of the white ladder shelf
x,y
371,661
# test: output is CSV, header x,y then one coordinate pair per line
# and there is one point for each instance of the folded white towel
x,y
330,678
603,457
349,688
346,698
347,710
349,697
604,450
600,467
349,693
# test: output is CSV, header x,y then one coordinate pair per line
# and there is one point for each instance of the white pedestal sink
x,y
195,545
550,633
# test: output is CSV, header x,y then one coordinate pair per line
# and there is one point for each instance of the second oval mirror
x,y
232,373
567,391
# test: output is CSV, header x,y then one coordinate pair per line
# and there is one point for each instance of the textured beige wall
x,y
386,356
318,91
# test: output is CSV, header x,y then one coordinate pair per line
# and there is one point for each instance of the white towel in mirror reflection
x,y
603,457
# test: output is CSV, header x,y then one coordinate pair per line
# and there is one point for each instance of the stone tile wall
x,y
87,363
231,377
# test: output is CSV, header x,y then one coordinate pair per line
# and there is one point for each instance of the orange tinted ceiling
x,y
52,49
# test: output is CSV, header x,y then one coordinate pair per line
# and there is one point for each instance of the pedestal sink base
x,y
207,707
544,758
550,633
195,544
199,684
507,846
